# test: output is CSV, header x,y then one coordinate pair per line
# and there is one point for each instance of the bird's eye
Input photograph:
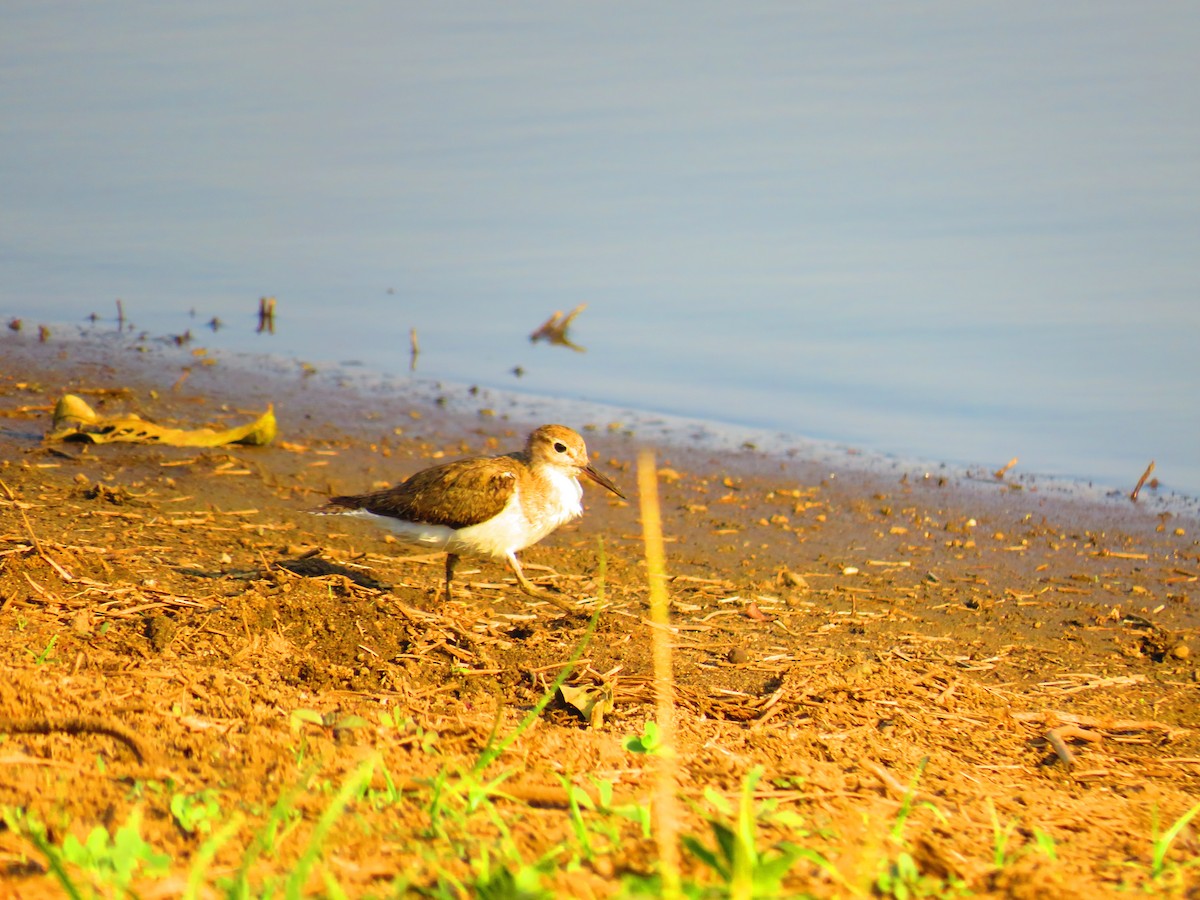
x,y
560,447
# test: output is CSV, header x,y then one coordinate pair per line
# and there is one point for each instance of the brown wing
x,y
456,494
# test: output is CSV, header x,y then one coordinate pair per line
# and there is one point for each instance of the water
x,y
959,232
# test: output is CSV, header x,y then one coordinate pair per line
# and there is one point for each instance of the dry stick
x,y
1141,481
77,725
37,545
666,805
890,782
1000,473
554,329
1055,718
266,315
1061,750
541,795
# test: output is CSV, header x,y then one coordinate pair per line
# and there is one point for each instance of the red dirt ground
x,y
850,634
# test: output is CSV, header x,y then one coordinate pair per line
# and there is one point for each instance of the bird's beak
x,y
601,480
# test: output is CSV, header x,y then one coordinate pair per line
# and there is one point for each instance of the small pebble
x,y
738,655
1181,651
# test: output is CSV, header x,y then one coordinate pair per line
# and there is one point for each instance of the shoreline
x,y
473,406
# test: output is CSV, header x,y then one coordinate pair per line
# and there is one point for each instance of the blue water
x,y
959,232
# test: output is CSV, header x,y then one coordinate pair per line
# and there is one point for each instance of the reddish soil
x,y
851,634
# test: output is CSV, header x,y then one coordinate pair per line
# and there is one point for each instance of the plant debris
x,y
554,329
75,420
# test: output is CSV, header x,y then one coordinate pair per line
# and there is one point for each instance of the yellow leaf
x,y
593,701
74,420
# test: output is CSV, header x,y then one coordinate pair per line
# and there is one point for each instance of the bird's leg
x,y
451,562
533,590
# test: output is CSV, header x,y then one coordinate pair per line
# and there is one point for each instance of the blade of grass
x,y
493,750
1163,844
35,832
745,856
351,788
907,801
264,838
207,852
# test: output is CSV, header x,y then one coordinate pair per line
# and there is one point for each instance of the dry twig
x,y
266,315
1141,481
74,725
37,545
1058,737
890,782
554,329
1003,470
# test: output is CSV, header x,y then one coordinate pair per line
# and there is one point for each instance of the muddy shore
x,y
1022,663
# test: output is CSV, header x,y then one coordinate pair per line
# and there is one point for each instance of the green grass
x,y
196,813
750,848
44,656
900,875
744,870
104,860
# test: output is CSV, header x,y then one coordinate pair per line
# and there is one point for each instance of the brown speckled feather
x,y
455,494
469,506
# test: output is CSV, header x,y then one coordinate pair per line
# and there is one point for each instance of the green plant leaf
x,y
301,717
705,855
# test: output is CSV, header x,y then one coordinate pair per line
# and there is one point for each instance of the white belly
x,y
517,526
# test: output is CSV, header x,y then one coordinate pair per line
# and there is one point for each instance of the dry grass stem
x,y
666,805
1141,482
266,315
1004,469
554,329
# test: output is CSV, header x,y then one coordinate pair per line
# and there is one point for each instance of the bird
x,y
489,506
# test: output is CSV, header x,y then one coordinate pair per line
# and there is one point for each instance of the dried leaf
x,y
592,701
74,420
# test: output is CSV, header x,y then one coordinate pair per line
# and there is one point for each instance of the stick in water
x,y
1003,470
1141,481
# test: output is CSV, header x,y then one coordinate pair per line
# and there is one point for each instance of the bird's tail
x,y
338,505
